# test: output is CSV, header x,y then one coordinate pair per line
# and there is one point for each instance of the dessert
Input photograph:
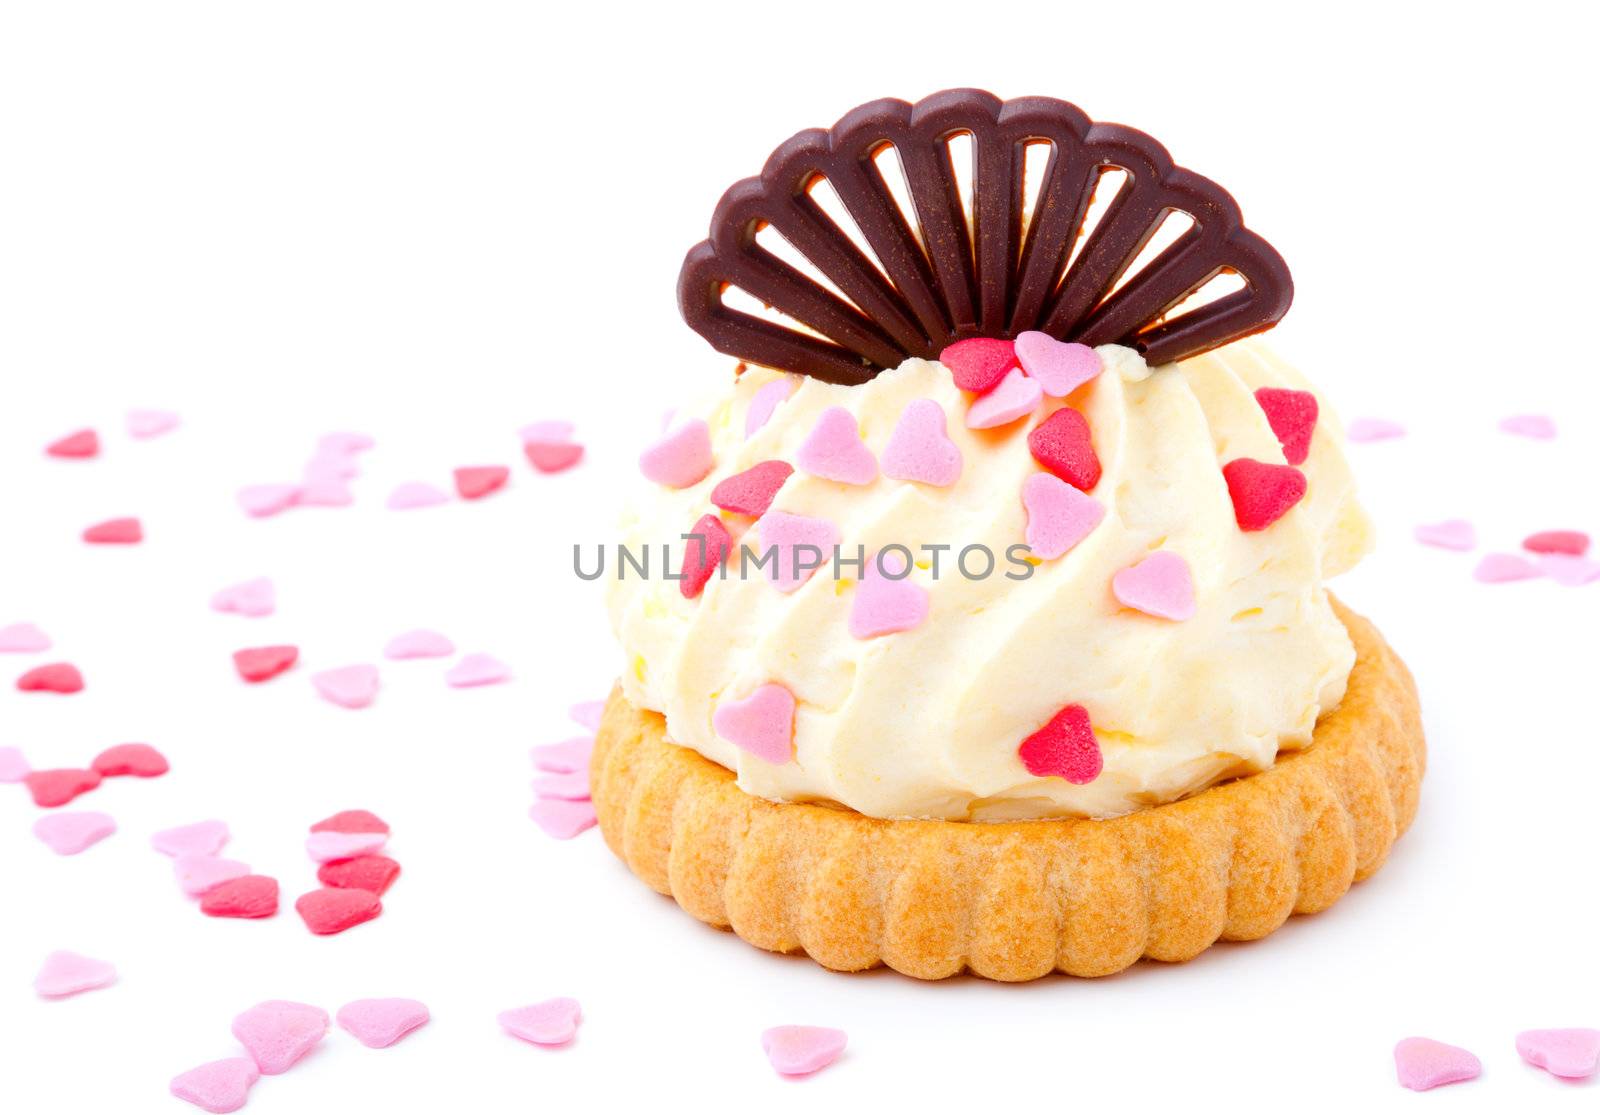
x,y
991,630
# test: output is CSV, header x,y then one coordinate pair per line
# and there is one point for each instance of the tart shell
x,y
1016,901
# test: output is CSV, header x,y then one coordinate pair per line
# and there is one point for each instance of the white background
x,y
435,223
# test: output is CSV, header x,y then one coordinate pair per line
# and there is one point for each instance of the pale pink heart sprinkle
x,y
561,758
261,500
1060,367
562,819
379,1023
277,1033
834,450
1059,516
1451,534
67,834
766,400
330,467
477,669
1570,1054
800,1050
348,686
552,431
1422,1063
920,449
1160,585
420,643
886,606
1569,570
587,713
572,786
761,723
217,1086
22,638
198,874
325,491
345,443
201,839
1498,568
681,458
552,1022
795,538
1014,397
67,973
151,423
415,494
326,847
1540,426
255,597
13,765
1373,429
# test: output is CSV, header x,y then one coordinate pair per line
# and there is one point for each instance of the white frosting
x,y
926,723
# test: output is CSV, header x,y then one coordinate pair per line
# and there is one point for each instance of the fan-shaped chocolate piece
x,y
1005,268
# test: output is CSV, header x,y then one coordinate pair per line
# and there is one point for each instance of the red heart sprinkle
x,y
84,443
1292,416
979,363
262,663
370,873
115,532
335,909
1064,748
57,677
1262,493
553,456
51,788
751,492
138,759
703,553
352,820
478,481
1061,443
248,896
1573,542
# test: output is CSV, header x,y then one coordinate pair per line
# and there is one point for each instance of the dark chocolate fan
x,y
945,279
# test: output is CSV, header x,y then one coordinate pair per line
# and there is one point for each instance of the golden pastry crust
x,y
1017,901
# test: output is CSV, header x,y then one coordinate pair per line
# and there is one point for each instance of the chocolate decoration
x,y
938,283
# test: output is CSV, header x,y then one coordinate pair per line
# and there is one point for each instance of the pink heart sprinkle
x,y
14,765
564,757
277,1033
203,838
345,443
255,597
325,491
572,786
1066,747
199,874
552,1022
1374,429
415,494
562,819
262,500
762,723
379,1023
217,1086
552,456
919,449
834,450
1573,542
477,669
67,973
328,847
1568,570
67,834
22,638
420,643
766,400
799,1050
1497,568
587,713
1014,397
1422,1063
796,541
1540,426
885,605
1451,534
1160,585
1059,367
1569,1054
150,423
680,459
1059,516
331,466
348,686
